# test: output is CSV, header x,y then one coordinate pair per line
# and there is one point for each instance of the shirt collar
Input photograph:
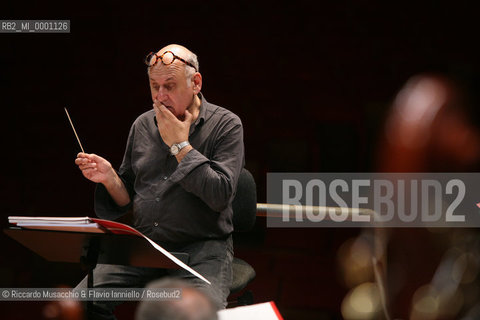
x,y
202,113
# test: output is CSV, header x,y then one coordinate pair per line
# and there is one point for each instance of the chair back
x,y
244,204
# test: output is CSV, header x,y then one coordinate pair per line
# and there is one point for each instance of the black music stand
x,y
92,248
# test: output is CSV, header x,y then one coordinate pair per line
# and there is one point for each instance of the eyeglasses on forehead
x,y
168,57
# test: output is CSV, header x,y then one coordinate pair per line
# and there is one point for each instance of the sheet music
x,y
87,224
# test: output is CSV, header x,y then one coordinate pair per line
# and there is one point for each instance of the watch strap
x,y
182,145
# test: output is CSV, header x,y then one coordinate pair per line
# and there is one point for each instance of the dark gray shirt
x,y
179,203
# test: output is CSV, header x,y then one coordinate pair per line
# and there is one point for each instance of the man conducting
x,y
179,172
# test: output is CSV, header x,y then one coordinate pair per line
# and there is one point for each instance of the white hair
x,y
189,71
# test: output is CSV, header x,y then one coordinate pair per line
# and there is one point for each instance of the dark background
x,y
311,81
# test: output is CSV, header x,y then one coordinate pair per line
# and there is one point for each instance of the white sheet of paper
x,y
261,311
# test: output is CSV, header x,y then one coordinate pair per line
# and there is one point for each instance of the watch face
x,y
174,149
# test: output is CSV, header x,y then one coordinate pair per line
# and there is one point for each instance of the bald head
x,y
183,53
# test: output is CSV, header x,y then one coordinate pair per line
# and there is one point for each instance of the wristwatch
x,y
176,147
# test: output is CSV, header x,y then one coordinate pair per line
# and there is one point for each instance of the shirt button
x,y
157,199
165,178
155,224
